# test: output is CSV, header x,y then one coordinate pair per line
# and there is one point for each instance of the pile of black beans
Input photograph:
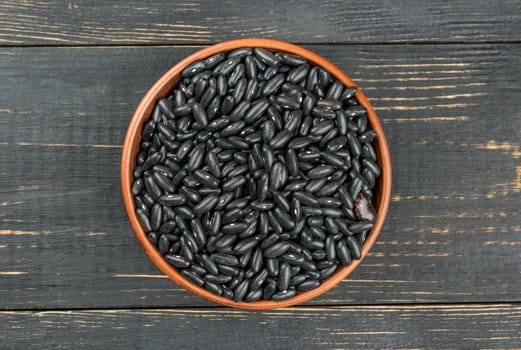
x,y
255,175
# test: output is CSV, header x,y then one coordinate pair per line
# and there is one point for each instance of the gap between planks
x,y
209,43
315,307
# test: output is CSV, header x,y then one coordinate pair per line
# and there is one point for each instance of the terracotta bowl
x,y
164,86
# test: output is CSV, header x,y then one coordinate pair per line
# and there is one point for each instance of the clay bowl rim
x,y
161,89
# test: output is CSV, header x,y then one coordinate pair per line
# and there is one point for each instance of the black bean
x,y
240,291
275,117
266,57
258,280
156,216
256,110
273,84
225,241
257,260
277,249
193,69
284,219
245,245
326,272
233,183
225,259
281,201
320,171
315,185
253,295
237,74
184,212
354,247
284,276
283,295
278,176
163,244
177,261
281,139
207,263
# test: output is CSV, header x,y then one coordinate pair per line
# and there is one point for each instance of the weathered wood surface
x,y
55,22
393,327
451,114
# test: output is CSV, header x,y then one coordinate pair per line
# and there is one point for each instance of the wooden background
x,y
444,77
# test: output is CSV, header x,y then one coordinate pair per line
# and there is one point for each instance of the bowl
x,y
163,87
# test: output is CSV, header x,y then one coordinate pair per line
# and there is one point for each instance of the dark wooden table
x,y
445,78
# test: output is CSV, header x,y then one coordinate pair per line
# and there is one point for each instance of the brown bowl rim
x,y
164,85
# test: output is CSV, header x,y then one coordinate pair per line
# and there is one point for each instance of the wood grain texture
x,y
53,22
451,113
405,327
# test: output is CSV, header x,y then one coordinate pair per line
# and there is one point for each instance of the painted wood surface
x,y
53,22
451,113
445,80
487,326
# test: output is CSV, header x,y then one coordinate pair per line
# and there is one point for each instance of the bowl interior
x,y
164,86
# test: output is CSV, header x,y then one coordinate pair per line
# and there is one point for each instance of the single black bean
x,y
273,84
253,295
342,252
240,291
308,285
156,216
256,110
281,201
177,261
233,183
315,185
328,271
245,245
277,249
281,139
225,259
266,57
283,295
278,176
284,276
354,247
320,171
184,212
284,219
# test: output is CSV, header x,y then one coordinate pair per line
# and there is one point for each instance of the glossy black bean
x,y
233,183
256,110
207,263
266,56
360,226
326,272
320,171
273,84
284,276
225,259
283,295
225,241
278,176
245,245
277,249
272,266
177,261
315,185
206,178
241,290
193,69
281,201
193,277
299,73
322,127
258,280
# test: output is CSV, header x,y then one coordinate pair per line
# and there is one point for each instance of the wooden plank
x,y
451,113
306,21
364,327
